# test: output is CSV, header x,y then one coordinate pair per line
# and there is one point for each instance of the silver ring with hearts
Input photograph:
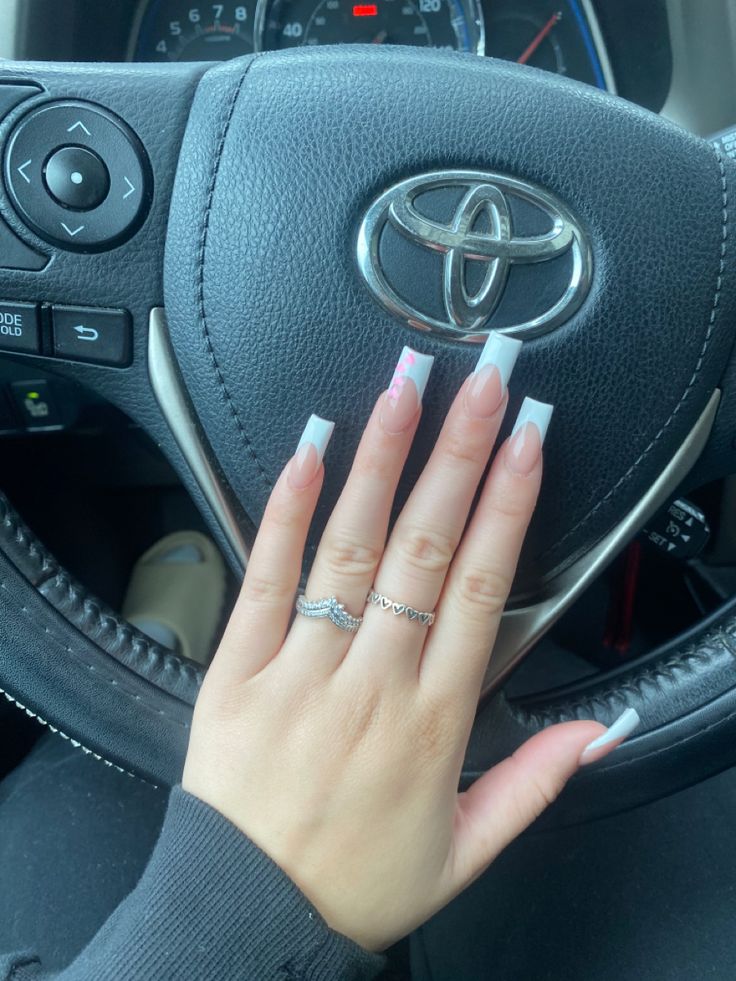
x,y
400,609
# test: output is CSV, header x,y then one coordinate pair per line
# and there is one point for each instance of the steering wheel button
x,y
12,94
19,328
92,335
15,254
77,178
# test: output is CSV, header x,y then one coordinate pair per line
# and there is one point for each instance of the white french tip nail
x,y
413,365
502,352
317,432
538,413
620,729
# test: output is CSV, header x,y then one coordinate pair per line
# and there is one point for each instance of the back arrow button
x,y
86,333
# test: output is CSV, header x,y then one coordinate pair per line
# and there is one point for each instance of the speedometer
x,y
454,24
172,30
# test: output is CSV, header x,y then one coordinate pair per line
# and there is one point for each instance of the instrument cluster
x,y
561,36
619,45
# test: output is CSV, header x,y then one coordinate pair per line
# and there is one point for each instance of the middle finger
x,y
429,529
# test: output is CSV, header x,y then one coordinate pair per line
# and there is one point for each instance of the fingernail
x,y
489,381
404,394
527,436
615,733
307,460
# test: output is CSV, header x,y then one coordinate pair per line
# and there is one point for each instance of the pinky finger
x,y
262,612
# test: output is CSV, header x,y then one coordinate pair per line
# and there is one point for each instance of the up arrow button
x,y
79,125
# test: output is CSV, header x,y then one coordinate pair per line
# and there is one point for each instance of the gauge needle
x,y
380,37
544,31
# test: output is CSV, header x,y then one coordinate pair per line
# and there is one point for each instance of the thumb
x,y
505,801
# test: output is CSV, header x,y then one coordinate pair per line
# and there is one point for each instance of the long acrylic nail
x,y
615,733
404,395
527,436
307,460
489,381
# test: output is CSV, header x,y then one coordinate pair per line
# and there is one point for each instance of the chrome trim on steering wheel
x,y
172,399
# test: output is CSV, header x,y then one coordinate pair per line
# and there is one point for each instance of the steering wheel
x,y
259,239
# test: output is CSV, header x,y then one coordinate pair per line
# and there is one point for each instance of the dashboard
x,y
619,45
562,37
675,57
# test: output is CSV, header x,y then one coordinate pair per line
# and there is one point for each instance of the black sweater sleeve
x,y
210,906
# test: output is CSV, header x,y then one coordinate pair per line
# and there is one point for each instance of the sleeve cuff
x,y
211,904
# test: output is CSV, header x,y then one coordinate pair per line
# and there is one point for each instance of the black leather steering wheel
x,y
257,175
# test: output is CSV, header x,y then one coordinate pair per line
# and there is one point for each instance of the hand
x,y
339,754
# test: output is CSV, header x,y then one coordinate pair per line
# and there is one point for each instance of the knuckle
x,y
373,462
435,731
508,508
365,714
460,448
428,550
540,792
545,793
283,512
264,590
484,590
347,558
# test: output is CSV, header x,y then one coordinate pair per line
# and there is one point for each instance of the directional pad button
x,y
78,176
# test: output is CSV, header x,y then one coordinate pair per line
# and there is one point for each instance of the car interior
x,y
197,250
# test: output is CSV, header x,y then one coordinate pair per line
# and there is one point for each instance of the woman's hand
x,y
339,753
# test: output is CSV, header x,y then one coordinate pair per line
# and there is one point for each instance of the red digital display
x,y
365,10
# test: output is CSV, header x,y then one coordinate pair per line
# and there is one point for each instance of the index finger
x,y
263,610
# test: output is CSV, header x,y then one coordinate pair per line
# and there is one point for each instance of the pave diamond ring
x,y
399,609
329,609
